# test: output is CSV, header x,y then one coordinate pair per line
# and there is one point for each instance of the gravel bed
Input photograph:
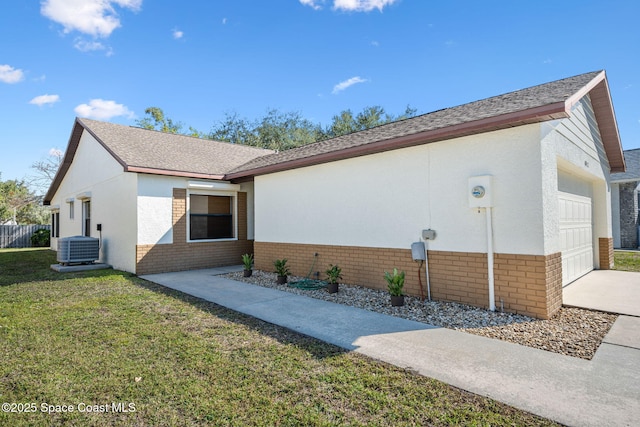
x,y
572,331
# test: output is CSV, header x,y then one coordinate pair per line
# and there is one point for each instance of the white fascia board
x,y
214,185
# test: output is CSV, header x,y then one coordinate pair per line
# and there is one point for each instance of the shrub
x,y
41,238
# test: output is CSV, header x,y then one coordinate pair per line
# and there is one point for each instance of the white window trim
x,y
72,206
85,201
232,194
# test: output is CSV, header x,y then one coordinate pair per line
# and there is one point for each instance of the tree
x,y
157,121
19,205
275,131
370,117
234,129
45,171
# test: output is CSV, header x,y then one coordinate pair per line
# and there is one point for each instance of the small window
x,y
55,224
211,217
71,209
86,217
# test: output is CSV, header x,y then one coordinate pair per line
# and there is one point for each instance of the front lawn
x,y
104,342
627,260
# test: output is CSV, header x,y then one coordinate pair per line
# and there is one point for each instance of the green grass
x,y
627,261
107,336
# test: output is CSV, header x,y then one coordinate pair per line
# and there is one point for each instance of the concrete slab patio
x,y
605,290
572,391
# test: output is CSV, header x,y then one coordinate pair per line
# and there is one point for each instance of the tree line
x,y
276,130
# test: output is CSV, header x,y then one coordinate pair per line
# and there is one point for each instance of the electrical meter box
x,y
480,192
418,251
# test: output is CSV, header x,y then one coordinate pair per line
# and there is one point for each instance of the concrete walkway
x,y
572,391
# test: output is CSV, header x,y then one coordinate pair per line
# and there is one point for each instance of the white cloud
x,y
312,3
347,83
88,46
177,34
361,5
45,99
8,74
224,21
375,43
97,18
55,152
351,5
102,110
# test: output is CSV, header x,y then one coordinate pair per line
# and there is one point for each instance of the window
x,y
55,224
71,209
211,217
86,217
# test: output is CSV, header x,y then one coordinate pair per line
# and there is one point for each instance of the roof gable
x,y
147,151
632,160
536,104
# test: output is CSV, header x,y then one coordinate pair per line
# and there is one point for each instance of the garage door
x,y
576,236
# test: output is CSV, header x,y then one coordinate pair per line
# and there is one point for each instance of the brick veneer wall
x,y
605,252
629,220
182,255
524,284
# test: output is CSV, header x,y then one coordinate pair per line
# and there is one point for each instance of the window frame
x,y
86,217
55,223
234,214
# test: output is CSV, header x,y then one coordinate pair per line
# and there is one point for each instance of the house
x,y
625,201
516,188
159,199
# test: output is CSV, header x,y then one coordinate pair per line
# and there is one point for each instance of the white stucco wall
x,y
113,195
386,199
155,208
573,161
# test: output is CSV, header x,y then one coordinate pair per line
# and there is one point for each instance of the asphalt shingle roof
x,y
526,99
632,159
141,148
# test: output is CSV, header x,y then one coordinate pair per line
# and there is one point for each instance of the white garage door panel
x,y
576,236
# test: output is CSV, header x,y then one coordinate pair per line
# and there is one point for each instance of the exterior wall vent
x,y
78,250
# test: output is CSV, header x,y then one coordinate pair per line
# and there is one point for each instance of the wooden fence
x,y
18,236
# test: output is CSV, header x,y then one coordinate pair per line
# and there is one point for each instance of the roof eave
x,y
534,115
74,140
165,172
598,90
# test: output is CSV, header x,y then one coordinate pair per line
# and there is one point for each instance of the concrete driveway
x,y
605,290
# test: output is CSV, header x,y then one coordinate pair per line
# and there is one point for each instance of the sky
x,y
199,60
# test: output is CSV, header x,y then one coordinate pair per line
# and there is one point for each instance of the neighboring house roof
x,y
536,104
153,152
632,159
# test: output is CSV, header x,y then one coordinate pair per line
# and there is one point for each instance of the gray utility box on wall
x,y
78,250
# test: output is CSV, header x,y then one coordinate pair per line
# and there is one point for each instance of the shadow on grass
x,y
34,265
316,348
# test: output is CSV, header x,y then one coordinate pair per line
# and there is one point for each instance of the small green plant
x,y
41,238
247,260
334,273
282,269
395,282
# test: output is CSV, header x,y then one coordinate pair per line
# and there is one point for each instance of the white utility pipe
x,y
426,274
492,302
